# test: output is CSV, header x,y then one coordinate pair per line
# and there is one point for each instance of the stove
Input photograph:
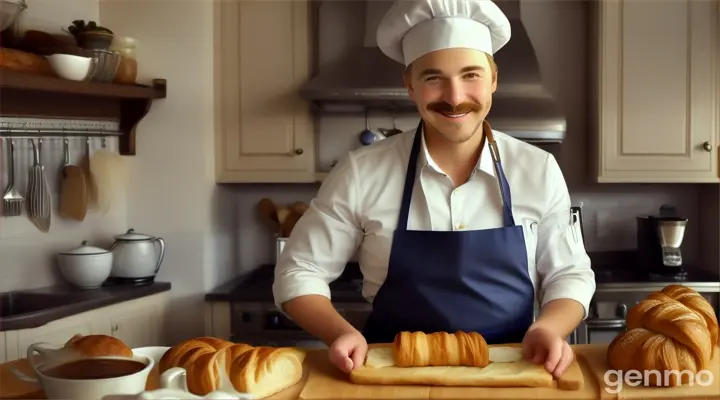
x,y
257,321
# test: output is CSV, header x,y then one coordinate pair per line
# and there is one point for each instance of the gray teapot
x,y
136,255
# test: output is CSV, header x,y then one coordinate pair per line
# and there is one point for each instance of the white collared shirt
x,y
357,207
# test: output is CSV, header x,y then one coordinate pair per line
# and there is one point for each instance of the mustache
x,y
448,108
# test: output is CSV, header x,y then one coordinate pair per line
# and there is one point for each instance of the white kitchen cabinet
x,y
657,105
264,130
138,325
139,322
218,319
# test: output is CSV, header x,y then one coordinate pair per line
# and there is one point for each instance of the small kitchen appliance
x,y
659,241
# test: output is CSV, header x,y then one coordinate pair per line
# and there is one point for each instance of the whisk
x,y
12,200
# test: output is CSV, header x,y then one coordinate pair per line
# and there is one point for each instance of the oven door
x,y
600,331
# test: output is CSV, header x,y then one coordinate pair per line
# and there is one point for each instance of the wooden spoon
x,y
269,213
289,223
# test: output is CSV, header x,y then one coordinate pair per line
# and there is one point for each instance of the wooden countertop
x,y
590,357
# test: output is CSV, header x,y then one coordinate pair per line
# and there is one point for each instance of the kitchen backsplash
x,y
24,250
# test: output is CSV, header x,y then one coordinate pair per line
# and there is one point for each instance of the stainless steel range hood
x,y
522,106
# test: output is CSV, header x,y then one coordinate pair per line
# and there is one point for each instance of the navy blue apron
x,y
471,281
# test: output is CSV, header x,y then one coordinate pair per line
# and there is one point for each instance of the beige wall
x,y
172,193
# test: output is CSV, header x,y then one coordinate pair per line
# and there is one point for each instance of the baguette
x,y
417,349
672,330
214,364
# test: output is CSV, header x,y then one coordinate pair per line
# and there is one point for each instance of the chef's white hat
x,y
413,28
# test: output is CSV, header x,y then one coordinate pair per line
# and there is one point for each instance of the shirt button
x,y
460,227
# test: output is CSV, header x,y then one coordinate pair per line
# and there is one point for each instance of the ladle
x,y
368,136
394,131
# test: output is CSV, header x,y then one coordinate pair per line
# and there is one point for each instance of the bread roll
x,y
417,349
25,62
672,330
214,364
99,346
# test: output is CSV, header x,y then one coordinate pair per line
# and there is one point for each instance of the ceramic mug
x,y
84,389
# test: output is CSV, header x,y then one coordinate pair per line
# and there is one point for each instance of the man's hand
x,y
543,346
348,351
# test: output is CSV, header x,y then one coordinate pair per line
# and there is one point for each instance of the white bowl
x,y
68,66
86,267
88,389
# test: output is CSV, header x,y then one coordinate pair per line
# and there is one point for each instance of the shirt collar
x,y
485,164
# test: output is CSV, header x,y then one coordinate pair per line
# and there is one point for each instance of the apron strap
x,y
409,180
508,218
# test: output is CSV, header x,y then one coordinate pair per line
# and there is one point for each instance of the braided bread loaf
x,y
672,330
215,364
417,349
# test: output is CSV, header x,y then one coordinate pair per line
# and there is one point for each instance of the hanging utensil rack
x,y
30,128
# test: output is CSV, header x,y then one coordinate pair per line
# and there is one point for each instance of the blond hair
x,y
491,61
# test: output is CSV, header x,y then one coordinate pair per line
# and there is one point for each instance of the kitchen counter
x,y
619,272
614,272
36,307
256,287
318,373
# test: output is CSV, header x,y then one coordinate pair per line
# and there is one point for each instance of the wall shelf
x,y
40,96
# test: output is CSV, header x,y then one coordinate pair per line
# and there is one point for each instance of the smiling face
x,y
452,89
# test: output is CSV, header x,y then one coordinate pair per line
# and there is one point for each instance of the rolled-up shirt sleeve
x,y
563,264
323,240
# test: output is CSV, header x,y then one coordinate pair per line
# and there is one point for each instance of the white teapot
x,y
137,256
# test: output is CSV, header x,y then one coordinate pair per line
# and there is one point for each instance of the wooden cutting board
x,y
325,382
596,359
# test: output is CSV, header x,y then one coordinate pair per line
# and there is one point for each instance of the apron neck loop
x,y
410,176
508,217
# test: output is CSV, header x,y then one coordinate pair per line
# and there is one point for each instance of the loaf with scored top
x,y
216,364
440,349
674,330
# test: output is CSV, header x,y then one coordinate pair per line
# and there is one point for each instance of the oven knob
x,y
621,311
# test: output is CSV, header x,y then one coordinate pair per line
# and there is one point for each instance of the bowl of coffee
x,y
65,375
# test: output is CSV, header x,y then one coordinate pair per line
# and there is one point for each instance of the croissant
x,y
671,330
417,349
216,364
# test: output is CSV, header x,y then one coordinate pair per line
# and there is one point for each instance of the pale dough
x,y
383,357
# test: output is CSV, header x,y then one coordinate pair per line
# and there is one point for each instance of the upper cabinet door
x,y
263,56
658,84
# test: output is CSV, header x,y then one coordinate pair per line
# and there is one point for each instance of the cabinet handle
x,y
707,147
299,151
114,328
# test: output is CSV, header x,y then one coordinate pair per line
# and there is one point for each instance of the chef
x,y
456,226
